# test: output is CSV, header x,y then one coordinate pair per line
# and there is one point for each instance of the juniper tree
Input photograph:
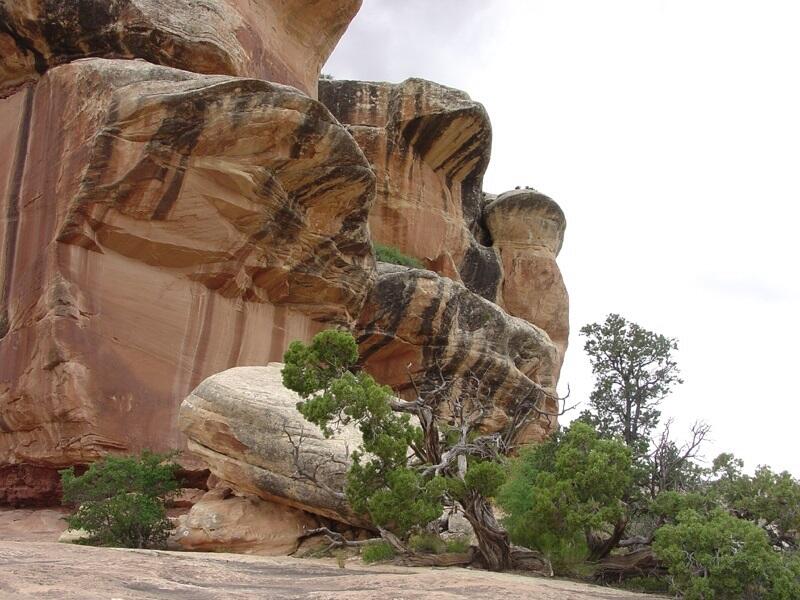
x,y
634,371
406,471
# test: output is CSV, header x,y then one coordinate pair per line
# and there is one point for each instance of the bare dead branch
x,y
303,474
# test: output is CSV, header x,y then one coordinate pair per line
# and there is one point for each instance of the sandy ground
x,y
44,569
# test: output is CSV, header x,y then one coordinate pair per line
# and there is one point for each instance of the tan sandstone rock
x,y
527,228
160,226
222,522
439,328
429,146
276,40
246,426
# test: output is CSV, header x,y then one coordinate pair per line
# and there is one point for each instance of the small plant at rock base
x,y
120,500
390,254
377,552
341,558
458,545
427,543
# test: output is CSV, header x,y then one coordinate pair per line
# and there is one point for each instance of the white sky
x,y
669,132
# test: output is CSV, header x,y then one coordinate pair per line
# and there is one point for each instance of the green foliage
x,y
406,501
634,371
722,557
485,477
427,543
767,496
378,482
377,552
668,505
390,254
120,500
560,489
457,545
431,543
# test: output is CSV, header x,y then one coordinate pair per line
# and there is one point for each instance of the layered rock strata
x,y
160,226
527,229
246,427
429,146
223,522
165,219
274,40
418,325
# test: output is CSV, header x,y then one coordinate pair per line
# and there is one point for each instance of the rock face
x,y
441,329
161,226
222,522
172,208
276,40
429,146
527,229
246,427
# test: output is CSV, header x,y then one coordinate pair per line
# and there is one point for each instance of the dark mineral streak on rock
x,y
419,135
12,209
445,330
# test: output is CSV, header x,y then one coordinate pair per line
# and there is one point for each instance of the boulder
x,y
429,145
419,325
246,427
162,226
223,522
274,40
527,229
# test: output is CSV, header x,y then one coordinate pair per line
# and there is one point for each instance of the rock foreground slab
x,y
62,572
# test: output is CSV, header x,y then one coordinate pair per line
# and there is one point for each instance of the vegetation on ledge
x,y
390,254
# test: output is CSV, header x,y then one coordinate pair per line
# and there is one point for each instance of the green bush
x,y
458,545
390,254
120,500
427,543
560,489
719,556
377,552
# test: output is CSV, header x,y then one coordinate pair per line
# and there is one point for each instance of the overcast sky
x,y
669,132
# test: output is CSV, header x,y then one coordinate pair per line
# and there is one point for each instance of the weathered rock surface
x,y
222,522
160,226
275,40
246,426
48,570
527,229
441,329
429,146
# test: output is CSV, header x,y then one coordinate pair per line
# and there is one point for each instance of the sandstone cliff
x,y
162,226
176,202
274,40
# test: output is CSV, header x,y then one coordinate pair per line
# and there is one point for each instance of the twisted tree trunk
x,y
493,542
600,547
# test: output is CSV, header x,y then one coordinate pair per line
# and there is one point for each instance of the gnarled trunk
x,y
493,542
600,547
